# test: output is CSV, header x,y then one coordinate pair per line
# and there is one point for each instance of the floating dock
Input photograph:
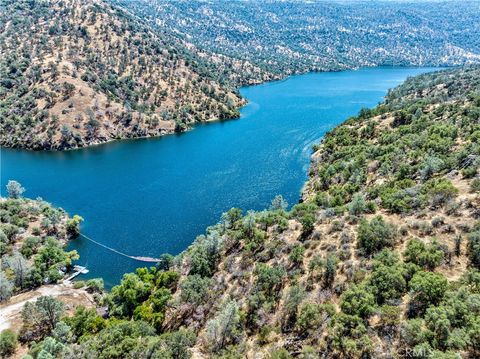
x,y
77,271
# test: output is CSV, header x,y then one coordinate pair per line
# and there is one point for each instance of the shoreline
x,y
298,195
244,102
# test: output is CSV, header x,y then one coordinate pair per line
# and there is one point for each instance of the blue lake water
x,y
150,196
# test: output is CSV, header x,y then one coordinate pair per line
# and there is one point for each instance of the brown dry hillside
x,y
80,72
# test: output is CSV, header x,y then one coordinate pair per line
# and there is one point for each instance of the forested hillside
x,y
297,36
33,235
76,73
380,259
80,72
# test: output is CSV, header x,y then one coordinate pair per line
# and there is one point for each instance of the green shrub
x,y
438,191
30,246
475,185
8,343
269,280
426,256
280,354
78,284
399,196
357,300
95,285
73,226
308,223
330,271
296,255
389,318
427,288
388,277
348,336
375,235
469,172
311,316
358,205
194,289
473,248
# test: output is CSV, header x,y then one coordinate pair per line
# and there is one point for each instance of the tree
x,y
430,166
358,205
294,297
389,318
471,280
269,280
458,245
312,317
6,287
153,310
95,285
416,338
49,348
20,266
375,235
388,281
357,301
308,223
330,271
194,289
278,203
249,223
62,333
473,248
41,317
123,339
224,327
178,343
203,256
85,321
52,218
437,321
8,343
427,288
426,256
296,255
232,216
30,246
51,257
126,296
438,191
166,262
349,336
14,189
73,226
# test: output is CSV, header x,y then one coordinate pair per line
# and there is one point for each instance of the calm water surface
x,y
151,196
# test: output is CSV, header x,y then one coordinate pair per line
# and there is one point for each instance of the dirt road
x,y
10,311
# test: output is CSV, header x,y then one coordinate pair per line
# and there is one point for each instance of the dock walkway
x,y
77,271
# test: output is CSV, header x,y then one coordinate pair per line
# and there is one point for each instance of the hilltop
x,y
381,258
75,73
285,37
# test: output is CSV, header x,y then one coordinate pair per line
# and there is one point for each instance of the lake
x,y
150,196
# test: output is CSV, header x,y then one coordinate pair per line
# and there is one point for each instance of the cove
x,y
150,196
